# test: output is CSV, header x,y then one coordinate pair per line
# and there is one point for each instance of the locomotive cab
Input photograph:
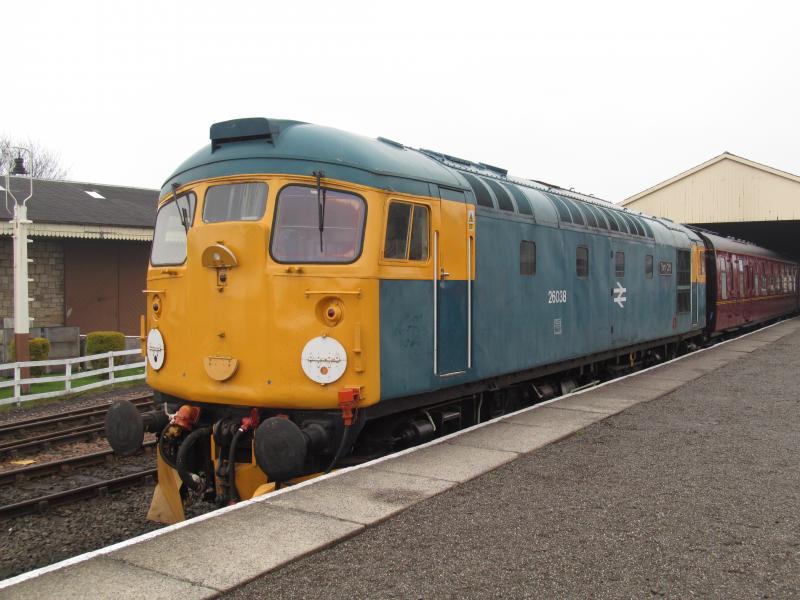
x,y
260,331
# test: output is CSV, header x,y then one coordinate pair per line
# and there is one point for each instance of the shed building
x,y
90,249
732,196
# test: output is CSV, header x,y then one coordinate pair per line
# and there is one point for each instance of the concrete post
x,y
21,313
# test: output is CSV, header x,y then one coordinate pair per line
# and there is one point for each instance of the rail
x,y
69,377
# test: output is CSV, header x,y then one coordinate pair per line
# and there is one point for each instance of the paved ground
x,y
695,494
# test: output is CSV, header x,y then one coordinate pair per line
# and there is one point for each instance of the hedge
x,y
100,342
39,349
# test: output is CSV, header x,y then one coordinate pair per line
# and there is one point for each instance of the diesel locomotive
x,y
317,298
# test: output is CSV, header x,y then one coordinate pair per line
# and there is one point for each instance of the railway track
x,y
97,412
96,427
100,488
63,466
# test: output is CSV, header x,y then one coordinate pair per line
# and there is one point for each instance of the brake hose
x,y
232,466
191,480
340,451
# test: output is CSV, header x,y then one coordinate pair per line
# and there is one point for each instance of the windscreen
x,y
317,227
169,238
235,202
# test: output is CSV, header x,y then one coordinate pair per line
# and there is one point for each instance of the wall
x,y
64,341
47,288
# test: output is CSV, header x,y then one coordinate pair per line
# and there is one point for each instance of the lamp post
x,y
20,225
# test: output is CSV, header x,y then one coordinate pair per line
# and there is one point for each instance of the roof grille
x,y
239,130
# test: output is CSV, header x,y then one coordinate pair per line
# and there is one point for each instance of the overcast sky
x,y
606,97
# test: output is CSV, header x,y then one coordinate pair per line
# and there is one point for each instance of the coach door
x,y
698,276
453,265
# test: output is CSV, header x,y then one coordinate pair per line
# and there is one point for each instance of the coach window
x,y
169,238
582,261
684,281
648,266
742,291
317,226
527,258
235,202
619,264
723,279
407,232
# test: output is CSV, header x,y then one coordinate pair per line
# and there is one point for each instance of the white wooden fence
x,y
70,375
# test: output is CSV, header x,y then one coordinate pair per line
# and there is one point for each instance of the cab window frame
x,y
406,260
189,195
274,226
217,186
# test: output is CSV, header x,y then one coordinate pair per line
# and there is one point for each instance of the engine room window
x,y
582,261
312,227
172,223
235,202
648,266
527,258
619,264
407,232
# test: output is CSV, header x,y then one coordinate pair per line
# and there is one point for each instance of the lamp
x,y
19,167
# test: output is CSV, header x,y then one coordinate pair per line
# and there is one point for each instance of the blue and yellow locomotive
x,y
316,298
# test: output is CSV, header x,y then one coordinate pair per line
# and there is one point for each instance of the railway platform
x,y
678,481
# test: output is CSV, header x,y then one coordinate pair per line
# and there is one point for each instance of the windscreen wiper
x,y
182,213
320,205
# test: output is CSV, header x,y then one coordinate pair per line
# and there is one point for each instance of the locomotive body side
x,y
556,312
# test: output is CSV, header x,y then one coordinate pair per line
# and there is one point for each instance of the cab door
x,y
453,265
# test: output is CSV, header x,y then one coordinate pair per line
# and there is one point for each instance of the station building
x,y
90,248
732,196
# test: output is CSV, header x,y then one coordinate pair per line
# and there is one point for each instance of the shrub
x,y
39,349
99,342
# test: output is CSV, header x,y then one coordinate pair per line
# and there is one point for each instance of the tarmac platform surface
x,y
692,491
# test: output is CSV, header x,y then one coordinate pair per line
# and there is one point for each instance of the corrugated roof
x,y
68,202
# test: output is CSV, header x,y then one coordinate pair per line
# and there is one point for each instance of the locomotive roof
x,y
258,145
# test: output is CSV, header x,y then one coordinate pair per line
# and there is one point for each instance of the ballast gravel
x,y
37,540
693,495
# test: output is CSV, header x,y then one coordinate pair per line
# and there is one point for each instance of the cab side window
x,y
407,232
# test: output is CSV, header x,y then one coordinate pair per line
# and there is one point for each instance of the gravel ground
x,y
35,541
696,494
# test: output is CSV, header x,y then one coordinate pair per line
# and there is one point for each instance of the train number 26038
x,y
556,296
